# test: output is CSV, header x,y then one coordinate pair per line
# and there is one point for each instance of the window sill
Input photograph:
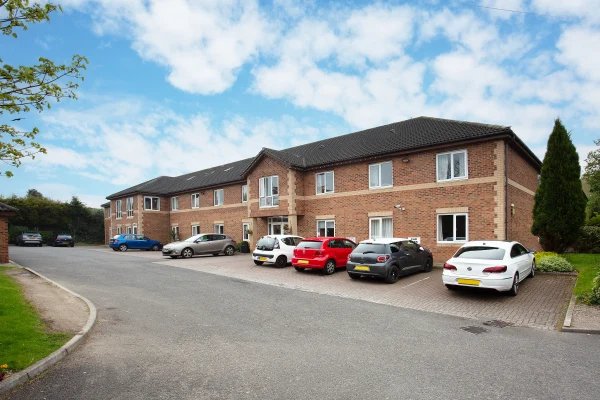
x,y
380,187
453,180
453,243
262,207
324,194
147,209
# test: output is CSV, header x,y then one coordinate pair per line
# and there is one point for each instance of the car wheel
x,y
393,275
229,251
123,247
72,245
299,269
532,273
114,249
187,253
354,276
515,286
329,267
428,265
155,247
258,262
281,261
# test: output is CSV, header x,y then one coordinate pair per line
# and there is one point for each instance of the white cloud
x,y
585,9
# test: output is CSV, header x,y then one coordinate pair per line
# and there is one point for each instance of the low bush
x,y
554,264
588,240
594,296
543,254
594,221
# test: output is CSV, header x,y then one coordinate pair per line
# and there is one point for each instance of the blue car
x,y
130,241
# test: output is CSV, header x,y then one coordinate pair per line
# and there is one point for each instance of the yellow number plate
x,y
362,268
263,259
303,262
472,282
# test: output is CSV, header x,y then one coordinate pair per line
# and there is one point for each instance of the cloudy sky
x,y
181,85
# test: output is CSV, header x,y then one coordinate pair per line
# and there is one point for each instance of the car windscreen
x,y
193,238
266,243
370,248
310,245
480,253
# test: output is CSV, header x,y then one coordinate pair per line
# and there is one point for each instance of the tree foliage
x,y
592,175
27,88
559,209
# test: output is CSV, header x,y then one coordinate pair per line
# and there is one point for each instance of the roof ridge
x,y
460,121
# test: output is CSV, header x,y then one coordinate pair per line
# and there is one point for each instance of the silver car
x,y
204,243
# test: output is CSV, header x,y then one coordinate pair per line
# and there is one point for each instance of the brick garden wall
x,y
3,239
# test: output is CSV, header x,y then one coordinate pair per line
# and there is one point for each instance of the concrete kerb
x,y
42,365
569,319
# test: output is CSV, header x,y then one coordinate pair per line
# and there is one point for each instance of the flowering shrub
x,y
554,264
594,297
542,254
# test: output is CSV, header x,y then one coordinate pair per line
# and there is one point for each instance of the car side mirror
x,y
421,248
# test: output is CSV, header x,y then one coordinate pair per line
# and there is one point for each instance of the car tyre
x,y
281,261
123,247
393,275
329,267
229,251
187,253
354,276
514,290
532,273
258,262
72,245
299,269
114,249
155,247
428,265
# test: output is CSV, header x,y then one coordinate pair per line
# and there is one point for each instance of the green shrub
x,y
588,240
594,221
594,297
554,264
543,254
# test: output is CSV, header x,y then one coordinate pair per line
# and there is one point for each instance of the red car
x,y
325,253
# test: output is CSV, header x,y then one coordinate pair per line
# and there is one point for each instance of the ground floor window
x,y
245,231
326,228
380,227
119,230
134,229
175,232
195,229
220,228
452,228
129,231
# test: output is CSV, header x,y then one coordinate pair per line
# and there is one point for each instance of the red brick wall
x,y
268,167
3,239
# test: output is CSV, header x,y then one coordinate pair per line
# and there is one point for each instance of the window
x,y
380,227
244,193
129,207
219,228
324,182
452,165
196,200
245,231
268,191
218,197
380,175
134,229
174,203
107,212
175,232
129,230
452,228
195,230
151,203
326,228
517,251
118,208
119,231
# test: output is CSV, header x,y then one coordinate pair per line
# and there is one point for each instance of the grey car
x,y
388,258
29,238
204,243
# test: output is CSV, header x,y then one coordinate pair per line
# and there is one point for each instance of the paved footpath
x,y
541,302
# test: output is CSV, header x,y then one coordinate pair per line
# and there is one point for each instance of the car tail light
x,y
499,268
449,267
381,259
318,253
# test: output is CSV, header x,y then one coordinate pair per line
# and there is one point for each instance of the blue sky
x,y
177,86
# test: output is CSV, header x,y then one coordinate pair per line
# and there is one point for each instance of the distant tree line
x,y
38,213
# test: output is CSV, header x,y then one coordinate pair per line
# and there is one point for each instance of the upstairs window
x,y
244,193
196,200
380,175
452,165
219,197
324,182
129,206
174,203
118,209
268,191
151,203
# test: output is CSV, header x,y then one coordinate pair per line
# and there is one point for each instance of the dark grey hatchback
x,y
388,258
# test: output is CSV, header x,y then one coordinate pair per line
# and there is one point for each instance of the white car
x,y
275,249
492,264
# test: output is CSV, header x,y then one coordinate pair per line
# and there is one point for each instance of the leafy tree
x,y
592,175
559,209
26,88
34,193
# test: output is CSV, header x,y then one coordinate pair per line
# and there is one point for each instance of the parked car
x,y
493,264
388,258
29,238
62,240
127,241
275,249
324,253
204,243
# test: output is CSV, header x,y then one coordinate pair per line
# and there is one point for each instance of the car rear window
x,y
64,236
366,248
481,253
310,245
265,243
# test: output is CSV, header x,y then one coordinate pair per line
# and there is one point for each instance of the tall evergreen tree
x,y
559,209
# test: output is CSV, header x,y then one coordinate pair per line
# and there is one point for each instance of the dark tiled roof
x,y
406,136
7,208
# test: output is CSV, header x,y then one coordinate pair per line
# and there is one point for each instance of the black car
x,y
388,258
62,240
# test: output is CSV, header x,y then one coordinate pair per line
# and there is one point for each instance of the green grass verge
x,y
588,266
24,338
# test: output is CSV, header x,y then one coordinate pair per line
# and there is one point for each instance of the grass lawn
x,y
588,266
24,338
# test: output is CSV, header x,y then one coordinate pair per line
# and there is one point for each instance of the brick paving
x,y
541,302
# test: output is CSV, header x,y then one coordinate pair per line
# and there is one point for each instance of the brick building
x,y
6,212
441,181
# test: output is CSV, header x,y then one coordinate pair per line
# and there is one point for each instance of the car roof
x,y
502,244
282,236
323,238
384,240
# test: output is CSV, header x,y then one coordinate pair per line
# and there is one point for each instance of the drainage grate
x,y
474,329
498,323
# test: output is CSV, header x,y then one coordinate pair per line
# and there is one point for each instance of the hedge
x,y
554,264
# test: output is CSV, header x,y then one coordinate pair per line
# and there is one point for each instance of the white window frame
x,y
263,198
245,229
175,229
326,222
324,187
219,228
216,197
129,207
244,193
134,229
379,165
129,230
380,219
439,227
151,205
119,230
451,154
118,208
195,230
174,203
195,200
